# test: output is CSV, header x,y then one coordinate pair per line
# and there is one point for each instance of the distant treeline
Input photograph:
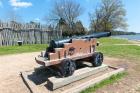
x,y
122,33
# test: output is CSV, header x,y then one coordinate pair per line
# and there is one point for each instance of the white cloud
x,y
37,19
19,3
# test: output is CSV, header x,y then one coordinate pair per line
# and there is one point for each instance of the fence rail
x,y
9,37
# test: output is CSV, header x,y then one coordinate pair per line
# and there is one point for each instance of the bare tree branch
x,y
109,15
69,10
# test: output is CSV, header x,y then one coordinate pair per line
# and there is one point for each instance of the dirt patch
x,y
10,68
129,84
12,65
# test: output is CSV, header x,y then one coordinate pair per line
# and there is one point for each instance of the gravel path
x,y
10,68
12,65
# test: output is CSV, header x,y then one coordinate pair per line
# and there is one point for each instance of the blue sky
x,y
36,10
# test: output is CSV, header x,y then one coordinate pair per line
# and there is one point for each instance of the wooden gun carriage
x,y
65,54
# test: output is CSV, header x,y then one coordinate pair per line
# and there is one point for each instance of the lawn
x,y
110,41
109,48
22,49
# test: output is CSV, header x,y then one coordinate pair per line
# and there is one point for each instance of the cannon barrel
x,y
97,35
60,43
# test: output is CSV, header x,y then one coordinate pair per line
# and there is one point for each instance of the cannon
x,y
67,53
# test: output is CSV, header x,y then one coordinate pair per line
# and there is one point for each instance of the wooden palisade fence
x,y
9,36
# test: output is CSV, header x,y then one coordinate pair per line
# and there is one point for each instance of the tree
x,y
69,10
64,28
80,30
108,16
67,31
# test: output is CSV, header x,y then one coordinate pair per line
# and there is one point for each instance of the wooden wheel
x,y
67,67
97,59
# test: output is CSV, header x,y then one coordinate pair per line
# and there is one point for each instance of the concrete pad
x,y
55,83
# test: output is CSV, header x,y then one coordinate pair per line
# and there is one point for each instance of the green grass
x,y
130,52
107,47
127,51
108,81
22,49
110,41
